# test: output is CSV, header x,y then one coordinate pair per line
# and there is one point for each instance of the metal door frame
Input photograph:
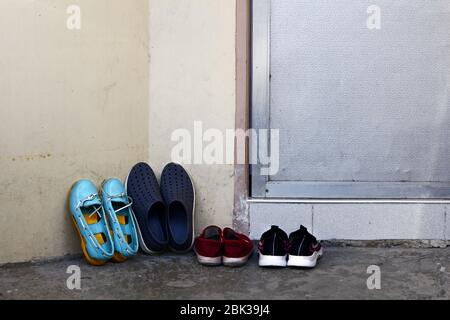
x,y
261,185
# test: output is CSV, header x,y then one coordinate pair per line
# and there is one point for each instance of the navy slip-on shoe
x,y
179,194
148,208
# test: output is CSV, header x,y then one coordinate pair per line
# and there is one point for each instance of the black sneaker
x,y
273,248
304,249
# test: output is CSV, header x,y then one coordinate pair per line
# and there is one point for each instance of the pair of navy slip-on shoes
x,y
164,212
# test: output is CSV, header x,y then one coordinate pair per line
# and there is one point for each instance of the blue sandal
x,y
90,222
121,221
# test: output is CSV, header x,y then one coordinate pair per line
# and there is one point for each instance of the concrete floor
x,y
342,274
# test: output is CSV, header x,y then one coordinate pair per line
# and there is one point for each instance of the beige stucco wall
x,y
192,78
73,104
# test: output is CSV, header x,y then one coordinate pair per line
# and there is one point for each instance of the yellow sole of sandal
x,y
118,258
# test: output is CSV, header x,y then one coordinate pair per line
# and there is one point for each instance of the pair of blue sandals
x,y
104,221
114,222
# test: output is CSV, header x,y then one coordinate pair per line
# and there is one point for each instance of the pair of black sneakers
x,y
164,212
300,249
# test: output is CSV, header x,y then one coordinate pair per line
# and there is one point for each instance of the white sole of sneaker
x,y
236,262
303,261
272,261
208,261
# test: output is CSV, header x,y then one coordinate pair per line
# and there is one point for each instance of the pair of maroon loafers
x,y
216,247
